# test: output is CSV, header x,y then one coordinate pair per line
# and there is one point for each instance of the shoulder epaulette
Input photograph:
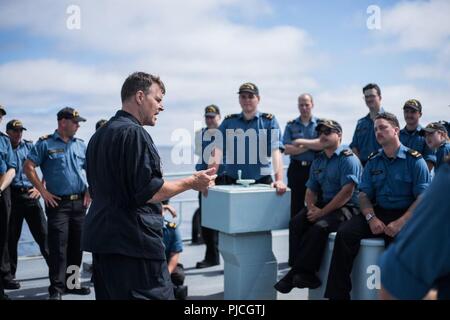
x,y
27,141
80,139
373,155
45,137
414,153
171,225
346,152
230,116
268,116
291,122
447,159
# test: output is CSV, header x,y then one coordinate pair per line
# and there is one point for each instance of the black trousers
x,y
297,176
309,240
5,213
119,277
210,238
346,247
178,276
65,223
25,208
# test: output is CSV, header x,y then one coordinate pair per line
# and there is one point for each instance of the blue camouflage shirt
x,y
296,130
6,154
414,140
203,139
330,175
420,253
20,155
442,152
61,163
248,144
395,183
172,240
364,139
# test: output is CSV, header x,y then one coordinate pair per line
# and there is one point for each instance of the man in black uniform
x,y
123,228
24,199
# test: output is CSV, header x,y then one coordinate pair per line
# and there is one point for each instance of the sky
x,y
78,53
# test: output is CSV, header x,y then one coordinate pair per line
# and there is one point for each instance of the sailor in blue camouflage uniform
x,y
411,135
364,141
301,143
204,139
436,136
250,139
173,247
331,198
8,167
419,258
24,199
61,157
393,179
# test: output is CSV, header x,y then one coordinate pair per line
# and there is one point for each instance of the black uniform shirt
x,y
123,172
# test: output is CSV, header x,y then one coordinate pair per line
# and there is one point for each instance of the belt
x,y
20,189
72,197
302,163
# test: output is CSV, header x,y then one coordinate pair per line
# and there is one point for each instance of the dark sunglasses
x,y
370,96
327,131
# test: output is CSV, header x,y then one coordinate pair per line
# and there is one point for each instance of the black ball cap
x,y
15,125
328,124
249,87
69,113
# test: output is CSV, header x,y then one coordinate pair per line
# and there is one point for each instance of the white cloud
x,y
41,76
203,50
199,48
417,26
346,105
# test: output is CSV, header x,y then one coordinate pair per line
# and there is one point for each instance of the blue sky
x,y
204,50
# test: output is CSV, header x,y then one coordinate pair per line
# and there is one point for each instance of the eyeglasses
x,y
370,96
327,131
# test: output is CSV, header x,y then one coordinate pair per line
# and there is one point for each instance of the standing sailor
x,y
8,168
61,157
25,203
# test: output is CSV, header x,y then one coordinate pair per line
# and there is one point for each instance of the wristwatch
x,y
370,216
